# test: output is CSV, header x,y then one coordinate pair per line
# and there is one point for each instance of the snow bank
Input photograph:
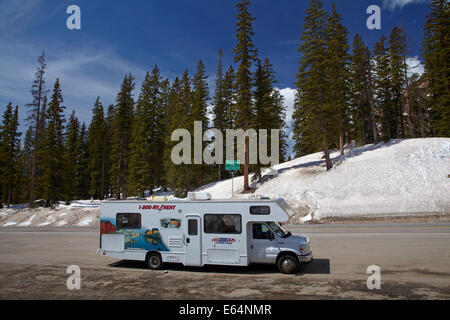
x,y
398,178
63,215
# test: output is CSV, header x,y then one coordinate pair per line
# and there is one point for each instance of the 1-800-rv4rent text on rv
x,y
200,231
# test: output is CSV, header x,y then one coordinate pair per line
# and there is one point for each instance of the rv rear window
x,y
260,210
128,220
223,223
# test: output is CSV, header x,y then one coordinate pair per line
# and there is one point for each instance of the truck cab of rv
x,y
270,243
201,231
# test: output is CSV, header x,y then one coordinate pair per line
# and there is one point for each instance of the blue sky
x,y
118,37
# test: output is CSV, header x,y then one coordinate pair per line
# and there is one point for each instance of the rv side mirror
x,y
271,236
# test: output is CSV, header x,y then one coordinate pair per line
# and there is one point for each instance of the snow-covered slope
x,y
398,178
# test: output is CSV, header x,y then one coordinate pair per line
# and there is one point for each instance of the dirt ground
x,y
414,262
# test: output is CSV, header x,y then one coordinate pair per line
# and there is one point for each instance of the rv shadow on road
x,y
317,266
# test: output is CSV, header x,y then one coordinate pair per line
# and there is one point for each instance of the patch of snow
x,y
8,224
47,223
28,222
85,222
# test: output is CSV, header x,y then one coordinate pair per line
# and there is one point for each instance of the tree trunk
x,y
408,102
372,119
246,155
328,162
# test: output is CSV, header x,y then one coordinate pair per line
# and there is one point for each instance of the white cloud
x,y
415,66
393,4
85,73
289,99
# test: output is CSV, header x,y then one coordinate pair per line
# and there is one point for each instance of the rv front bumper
x,y
305,259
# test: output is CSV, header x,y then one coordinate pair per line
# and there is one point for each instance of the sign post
x,y
232,165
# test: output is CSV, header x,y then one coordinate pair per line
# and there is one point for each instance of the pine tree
x,y
313,117
383,87
200,172
361,94
38,94
419,109
397,53
97,136
72,151
436,53
337,71
179,111
269,110
109,119
51,150
219,108
121,138
245,54
24,167
146,165
9,153
83,174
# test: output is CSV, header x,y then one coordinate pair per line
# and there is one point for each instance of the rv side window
x,y
128,220
223,223
260,210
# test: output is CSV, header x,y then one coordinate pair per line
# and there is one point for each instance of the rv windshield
x,y
279,230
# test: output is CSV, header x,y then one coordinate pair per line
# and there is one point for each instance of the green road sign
x,y
232,165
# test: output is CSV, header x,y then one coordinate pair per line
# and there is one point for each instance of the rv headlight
x,y
304,249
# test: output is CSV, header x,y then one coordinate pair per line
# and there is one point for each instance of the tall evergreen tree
x,y
337,71
83,175
419,109
52,150
219,108
383,87
146,164
313,117
269,110
223,106
97,136
200,173
121,138
9,153
72,151
245,55
361,94
179,116
436,51
109,119
38,94
397,53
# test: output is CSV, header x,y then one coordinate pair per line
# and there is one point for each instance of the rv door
x,y
192,240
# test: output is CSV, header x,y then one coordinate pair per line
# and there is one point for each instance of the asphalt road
x,y
414,260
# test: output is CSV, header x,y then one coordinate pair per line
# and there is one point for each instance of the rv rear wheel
x,y
287,264
154,261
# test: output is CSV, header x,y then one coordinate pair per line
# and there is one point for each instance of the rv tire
x,y
287,263
154,261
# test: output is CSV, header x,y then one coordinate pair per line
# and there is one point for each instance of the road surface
x,y
414,260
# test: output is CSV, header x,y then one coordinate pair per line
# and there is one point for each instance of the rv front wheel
x,y
287,264
154,261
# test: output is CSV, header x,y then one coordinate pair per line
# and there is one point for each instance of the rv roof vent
x,y
159,198
199,196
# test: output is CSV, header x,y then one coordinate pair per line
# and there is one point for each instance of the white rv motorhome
x,y
201,231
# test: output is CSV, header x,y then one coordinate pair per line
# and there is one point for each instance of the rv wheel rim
x,y
288,265
154,261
